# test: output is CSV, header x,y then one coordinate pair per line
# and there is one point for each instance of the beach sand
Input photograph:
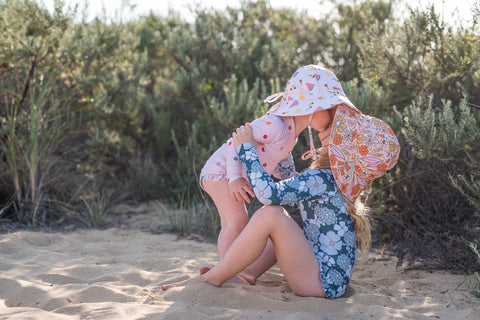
x,y
117,274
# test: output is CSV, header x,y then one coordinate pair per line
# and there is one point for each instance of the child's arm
x,y
286,167
265,130
239,187
234,166
310,184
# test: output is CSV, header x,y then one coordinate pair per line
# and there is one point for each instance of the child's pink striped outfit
x,y
275,138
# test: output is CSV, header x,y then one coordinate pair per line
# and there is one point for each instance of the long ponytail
x,y
359,212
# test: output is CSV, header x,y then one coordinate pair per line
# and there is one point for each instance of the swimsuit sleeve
x,y
311,184
286,167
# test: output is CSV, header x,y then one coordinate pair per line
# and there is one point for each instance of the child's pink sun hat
x,y
361,149
311,88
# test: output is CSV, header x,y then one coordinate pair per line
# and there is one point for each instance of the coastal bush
x,y
429,70
432,222
423,55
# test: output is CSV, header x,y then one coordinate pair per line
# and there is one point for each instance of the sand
x,y
117,274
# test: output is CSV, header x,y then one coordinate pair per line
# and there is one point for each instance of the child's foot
x,y
167,286
250,280
204,270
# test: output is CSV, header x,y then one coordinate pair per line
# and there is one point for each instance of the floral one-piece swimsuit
x,y
326,224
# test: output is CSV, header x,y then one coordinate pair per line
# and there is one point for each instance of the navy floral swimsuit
x,y
326,224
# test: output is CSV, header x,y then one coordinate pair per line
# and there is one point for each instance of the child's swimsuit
x,y
275,137
326,224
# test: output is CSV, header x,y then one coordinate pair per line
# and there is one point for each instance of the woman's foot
x,y
238,279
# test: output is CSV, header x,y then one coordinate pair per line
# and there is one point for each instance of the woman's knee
x,y
270,214
309,292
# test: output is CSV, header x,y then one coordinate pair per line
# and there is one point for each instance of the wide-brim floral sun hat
x,y
361,149
311,88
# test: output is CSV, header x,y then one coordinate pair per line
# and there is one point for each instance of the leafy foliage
x,y
430,212
136,108
423,56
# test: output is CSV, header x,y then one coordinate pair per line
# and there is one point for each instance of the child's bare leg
x,y
233,214
233,218
294,254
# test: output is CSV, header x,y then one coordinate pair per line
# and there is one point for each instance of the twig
x,y
473,105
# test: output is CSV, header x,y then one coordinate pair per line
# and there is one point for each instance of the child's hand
x,y
243,135
240,189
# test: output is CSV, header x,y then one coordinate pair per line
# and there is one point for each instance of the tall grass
x,y
35,108
33,134
96,206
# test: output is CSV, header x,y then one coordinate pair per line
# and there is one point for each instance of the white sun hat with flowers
x,y
311,88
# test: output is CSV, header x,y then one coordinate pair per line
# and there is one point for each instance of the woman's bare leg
x,y
293,252
233,218
261,265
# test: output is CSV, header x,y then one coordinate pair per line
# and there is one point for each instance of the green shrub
x,y
424,55
430,215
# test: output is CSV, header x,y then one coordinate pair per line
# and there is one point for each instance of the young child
x,y
319,261
310,92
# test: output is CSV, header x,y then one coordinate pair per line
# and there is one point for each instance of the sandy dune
x,y
117,274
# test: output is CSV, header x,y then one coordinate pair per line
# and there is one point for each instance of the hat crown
x,y
313,82
311,88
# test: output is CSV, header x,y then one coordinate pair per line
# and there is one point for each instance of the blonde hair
x,y
358,211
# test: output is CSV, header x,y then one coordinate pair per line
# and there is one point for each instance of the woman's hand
x,y
243,135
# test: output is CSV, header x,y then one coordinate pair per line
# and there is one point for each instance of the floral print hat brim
x,y
361,149
311,88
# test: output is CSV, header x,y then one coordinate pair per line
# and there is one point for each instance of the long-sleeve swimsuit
x,y
326,224
275,137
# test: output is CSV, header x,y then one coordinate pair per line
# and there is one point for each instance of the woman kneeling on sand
x,y
319,260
